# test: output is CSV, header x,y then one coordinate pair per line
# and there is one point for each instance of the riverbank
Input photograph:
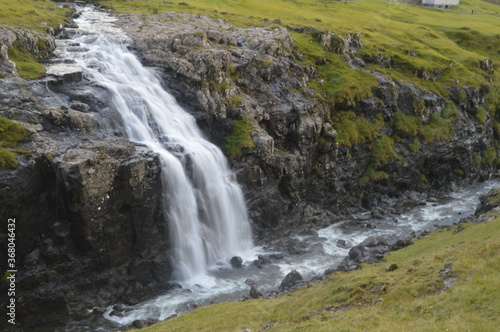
x,y
447,280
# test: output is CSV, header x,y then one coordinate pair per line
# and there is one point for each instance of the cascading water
x,y
204,205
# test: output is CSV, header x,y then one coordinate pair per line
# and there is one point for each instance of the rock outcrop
x,y
298,175
223,73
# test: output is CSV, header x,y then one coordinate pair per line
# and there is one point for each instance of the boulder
x,y
291,279
236,262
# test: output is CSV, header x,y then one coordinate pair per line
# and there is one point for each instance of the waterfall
x,y
204,205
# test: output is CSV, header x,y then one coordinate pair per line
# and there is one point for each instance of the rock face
x,y
297,175
92,217
90,228
223,73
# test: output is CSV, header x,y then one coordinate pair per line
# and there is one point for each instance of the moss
x,y
352,129
414,146
24,152
8,158
11,133
423,178
489,155
437,129
450,111
462,96
372,175
234,101
2,75
383,151
481,115
458,171
219,87
407,125
239,138
476,160
233,73
321,143
27,66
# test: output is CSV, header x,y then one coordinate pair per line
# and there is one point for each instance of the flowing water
x,y
204,205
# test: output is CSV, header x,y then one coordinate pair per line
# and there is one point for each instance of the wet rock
x,y
377,214
488,201
342,244
291,279
257,263
236,262
373,241
255,293
81,122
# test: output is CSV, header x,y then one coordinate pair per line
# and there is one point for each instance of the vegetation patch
x,y
32,14
240,138
438,128
11,134
489,155
27,66
352,129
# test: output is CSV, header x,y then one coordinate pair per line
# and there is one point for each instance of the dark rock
x,y
377,214
291,279
255,293
236,262
264,259
341,244
355,253
257,263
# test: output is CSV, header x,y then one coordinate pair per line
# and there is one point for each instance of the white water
x,y
204,205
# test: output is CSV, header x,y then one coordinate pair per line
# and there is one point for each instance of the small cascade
x,y
204,205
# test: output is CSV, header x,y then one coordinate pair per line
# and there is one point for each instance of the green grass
x,y
29,14
438,37
412,297
352,130
11,134
27,65
239,138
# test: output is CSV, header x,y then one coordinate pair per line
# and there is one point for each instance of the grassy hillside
x,y
31,14
453,41
447,281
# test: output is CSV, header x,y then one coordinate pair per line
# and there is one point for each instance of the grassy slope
x,y
29,14
11,133
437,37
410,298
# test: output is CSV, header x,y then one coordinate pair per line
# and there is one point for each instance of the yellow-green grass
x,y
412,297
438,37
29,14
26,64
11,133
239,138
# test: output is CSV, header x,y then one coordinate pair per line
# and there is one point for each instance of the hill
x,y
445,281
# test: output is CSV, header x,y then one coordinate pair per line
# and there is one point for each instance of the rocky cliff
x,y
90,229
398,144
